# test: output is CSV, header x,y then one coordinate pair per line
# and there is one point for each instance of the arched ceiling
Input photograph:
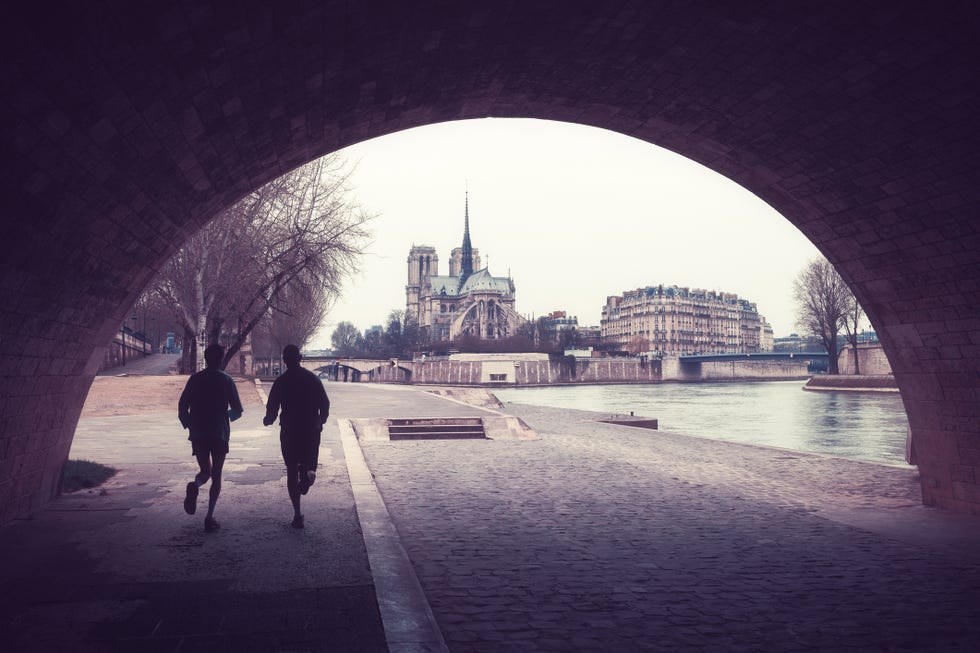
x,y
127,126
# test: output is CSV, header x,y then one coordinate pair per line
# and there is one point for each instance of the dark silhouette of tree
x,y
825,305
568,338
281,253
374,345
346,340
637,344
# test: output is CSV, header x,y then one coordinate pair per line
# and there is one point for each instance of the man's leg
x,y
307,468
217,464
291,460
204,463
292,486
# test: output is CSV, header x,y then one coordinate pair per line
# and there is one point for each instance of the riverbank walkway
x,y
593,537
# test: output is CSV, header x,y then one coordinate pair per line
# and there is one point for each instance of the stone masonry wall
x,y
128,126
753,371
871,358
534,372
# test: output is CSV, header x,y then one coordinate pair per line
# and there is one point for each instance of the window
x,y
498,377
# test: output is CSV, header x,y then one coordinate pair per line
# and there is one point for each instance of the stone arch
x,y
390,373
472,312
126,130
341,372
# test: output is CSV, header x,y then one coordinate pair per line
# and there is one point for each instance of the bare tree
x,y
851,321
298,314
823,303
637,344
394,335
346,340
283,249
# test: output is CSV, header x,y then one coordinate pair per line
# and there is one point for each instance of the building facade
x,y
676,321
555,322
468,301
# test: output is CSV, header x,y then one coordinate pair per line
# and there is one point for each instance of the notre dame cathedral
x,y
469,301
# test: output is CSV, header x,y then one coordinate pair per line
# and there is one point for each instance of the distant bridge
x,y
765,355
339,368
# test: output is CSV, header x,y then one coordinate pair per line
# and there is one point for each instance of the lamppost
x,y
133,330
123,341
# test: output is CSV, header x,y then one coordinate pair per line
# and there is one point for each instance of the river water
x,y
865,426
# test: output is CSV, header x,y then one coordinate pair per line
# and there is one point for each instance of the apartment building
x,y
674,320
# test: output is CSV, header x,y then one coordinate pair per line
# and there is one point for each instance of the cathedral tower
x,y
457,267
467,262
423,263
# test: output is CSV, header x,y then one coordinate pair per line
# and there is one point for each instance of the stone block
x,y
967,493
964,474
107,170
970,455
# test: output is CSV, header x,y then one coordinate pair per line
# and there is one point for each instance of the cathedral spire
x,y
466,269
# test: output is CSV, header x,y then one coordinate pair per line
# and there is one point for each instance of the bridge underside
x,y
126,128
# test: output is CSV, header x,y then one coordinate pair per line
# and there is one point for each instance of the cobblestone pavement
x,y
593,538
607,538
123,568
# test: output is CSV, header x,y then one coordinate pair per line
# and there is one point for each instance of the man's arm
x,y
272,406
184,404
234,402
324,404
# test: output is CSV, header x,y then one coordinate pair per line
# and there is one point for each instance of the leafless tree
x,y
346,340
825,304
853,316
298,316
281,251
637,344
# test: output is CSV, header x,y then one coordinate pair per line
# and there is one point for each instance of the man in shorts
x,y
207,405
305,408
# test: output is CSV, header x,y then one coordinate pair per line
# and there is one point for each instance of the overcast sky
x,y
573,213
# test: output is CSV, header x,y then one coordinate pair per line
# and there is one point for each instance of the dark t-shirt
x,y
204,403
304,402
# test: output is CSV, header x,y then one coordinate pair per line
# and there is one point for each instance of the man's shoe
x,y
190,501
298,521
211,524
306,480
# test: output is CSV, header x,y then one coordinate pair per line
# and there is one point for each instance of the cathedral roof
x,y
482,280
479,281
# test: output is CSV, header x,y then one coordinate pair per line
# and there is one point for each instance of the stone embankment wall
x,y
597,370
853,383
115,356
871,359
747,370
386,374
536,372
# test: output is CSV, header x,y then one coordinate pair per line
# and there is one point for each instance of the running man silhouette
x,y
305,408
209,401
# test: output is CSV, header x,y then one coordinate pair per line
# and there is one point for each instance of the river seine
x,y
865,426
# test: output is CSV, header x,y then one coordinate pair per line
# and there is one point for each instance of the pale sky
x,y
572,213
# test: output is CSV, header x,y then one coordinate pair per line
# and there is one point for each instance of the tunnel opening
x,y
106,178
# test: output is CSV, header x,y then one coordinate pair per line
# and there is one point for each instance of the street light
x,y
135,324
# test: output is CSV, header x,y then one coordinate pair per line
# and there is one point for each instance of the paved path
x,y
592,538
125,569
153,364
606,538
